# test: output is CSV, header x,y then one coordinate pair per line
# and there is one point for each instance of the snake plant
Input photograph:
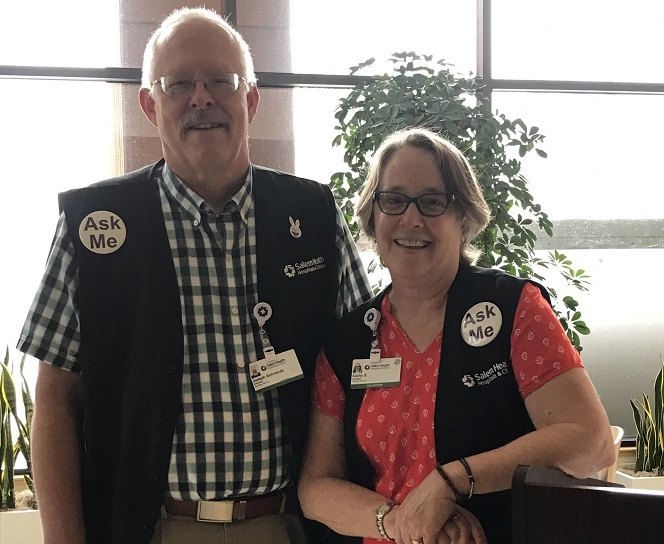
x,y
649,420
9,417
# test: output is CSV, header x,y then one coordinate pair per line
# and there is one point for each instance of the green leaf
x,y
581,328
649,424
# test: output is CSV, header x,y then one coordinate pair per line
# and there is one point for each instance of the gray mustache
x,y
196,117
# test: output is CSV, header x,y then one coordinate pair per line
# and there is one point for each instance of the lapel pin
x,y
295,227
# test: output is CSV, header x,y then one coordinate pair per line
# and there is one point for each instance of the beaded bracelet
x,y
457,496
471,478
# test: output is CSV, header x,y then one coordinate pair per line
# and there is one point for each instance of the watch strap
x,y
381,512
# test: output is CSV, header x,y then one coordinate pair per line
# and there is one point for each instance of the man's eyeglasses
x,y
218,84
428,204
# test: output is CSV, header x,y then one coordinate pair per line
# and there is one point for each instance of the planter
x,y
640,482
21,527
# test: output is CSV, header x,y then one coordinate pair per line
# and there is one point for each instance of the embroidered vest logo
x,y
486,376
304,267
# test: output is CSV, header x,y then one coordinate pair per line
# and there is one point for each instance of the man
x,y
179,318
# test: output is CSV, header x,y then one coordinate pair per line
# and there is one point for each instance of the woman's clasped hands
x,y
430,515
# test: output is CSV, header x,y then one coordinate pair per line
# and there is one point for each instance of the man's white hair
x,y
175,19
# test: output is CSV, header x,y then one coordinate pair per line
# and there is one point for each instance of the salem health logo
x,y
304,267
486,376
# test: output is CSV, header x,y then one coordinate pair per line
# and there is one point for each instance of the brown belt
x,y
229,510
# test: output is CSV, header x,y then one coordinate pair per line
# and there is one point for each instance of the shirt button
x,y
229,257
196,222
235,311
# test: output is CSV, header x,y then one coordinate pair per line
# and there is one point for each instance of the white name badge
x,y
385,372
280,369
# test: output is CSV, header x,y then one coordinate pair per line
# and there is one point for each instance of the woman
x,y
474,374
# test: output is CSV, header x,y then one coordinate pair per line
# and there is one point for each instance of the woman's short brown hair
x,y
456,172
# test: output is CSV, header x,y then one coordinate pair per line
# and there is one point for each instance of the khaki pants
x,y
276,529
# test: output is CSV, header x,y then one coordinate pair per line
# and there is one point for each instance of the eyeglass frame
x,y
414,199
237,79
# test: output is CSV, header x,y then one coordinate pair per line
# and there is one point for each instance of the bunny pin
x,y
295,228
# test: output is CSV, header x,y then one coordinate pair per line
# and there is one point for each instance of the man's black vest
x,y
132,339
478,405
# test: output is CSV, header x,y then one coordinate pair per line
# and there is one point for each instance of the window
x,y
45,150
70,33
587,73
599,149
330,37
593,40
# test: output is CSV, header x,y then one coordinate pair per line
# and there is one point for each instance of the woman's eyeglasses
x,y
428,204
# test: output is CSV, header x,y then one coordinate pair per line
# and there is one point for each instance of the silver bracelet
x,y
380,514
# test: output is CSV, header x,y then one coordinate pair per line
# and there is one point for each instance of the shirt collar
x,y
193,205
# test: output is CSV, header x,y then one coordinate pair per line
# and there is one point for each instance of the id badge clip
x,y
376,371
275,369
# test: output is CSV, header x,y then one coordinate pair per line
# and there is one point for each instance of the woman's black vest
x,y
478,405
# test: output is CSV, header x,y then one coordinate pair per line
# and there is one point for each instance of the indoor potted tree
x,y
648,469
427,93
19,519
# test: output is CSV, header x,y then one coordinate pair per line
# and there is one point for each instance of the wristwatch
x,y
380,514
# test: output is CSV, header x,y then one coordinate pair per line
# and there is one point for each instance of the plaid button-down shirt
x,y
228,439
